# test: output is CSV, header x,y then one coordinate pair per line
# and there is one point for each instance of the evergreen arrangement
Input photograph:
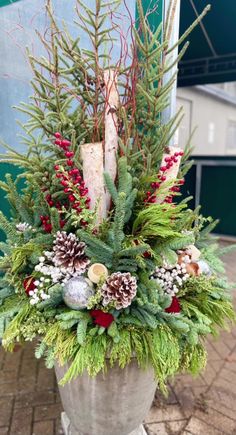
x,y
103,260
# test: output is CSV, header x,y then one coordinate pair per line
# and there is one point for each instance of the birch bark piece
x,y
171,173
111,127
93,168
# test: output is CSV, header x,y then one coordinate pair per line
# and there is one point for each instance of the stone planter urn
x,y
114,403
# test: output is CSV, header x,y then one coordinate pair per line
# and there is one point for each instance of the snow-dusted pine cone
x,y
69,253
119,288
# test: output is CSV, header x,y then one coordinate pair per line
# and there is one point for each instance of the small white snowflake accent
x,y
22,227
171,279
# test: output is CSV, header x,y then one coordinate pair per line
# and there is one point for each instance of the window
x,y
231,137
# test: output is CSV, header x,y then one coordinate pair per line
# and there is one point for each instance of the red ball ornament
x,y
175,307
28,284
102,319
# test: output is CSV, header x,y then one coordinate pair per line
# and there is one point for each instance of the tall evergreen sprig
x,y
155,59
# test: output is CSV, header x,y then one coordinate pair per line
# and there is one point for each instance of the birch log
x,y
172,172
111,127
93,168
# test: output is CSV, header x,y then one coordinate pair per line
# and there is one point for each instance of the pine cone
x,y
69,253
119,288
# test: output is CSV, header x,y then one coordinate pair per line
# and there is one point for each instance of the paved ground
x,y
30,404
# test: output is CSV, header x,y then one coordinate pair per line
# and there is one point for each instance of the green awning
x,y
7,2
211,56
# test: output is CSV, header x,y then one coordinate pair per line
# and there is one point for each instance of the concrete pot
x,y
114,403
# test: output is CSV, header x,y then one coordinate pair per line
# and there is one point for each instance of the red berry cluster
x,y
47,226
151,194
71,179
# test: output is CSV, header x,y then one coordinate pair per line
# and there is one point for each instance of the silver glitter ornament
x,y
77,292
204,268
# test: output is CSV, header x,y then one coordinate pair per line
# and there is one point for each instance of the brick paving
x,y
30,403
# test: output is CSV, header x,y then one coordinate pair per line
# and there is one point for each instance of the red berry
x,y
62,223
51,203
181,182
75,171
69,154
59,175
57,135
70,162
56,167
154,185
67,190
48,228
163,178
88,200
65,143
64,183
83,223
71,198
175,160
58,142
167,159
78,179
163,168
146,254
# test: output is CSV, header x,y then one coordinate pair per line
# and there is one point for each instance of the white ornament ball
x,y
77,292
204,268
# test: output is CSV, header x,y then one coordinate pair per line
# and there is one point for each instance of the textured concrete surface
x,y
30,403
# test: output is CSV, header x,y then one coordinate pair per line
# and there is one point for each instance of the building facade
x,y
211,109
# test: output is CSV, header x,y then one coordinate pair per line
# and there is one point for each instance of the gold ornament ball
x,y
96,271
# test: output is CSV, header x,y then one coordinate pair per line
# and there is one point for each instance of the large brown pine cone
x,y
120,289
70,253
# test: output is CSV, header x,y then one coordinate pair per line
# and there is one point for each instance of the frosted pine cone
x,y
69,253
119,288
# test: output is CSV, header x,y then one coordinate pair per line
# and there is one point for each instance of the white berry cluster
x,y
47,267
171,279
38,294
23,226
